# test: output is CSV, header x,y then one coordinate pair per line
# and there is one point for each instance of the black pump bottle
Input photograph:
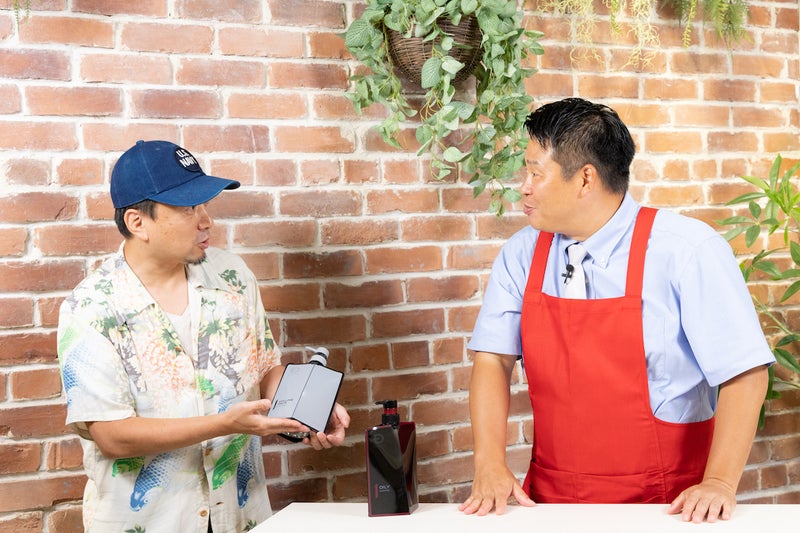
x,y
391,464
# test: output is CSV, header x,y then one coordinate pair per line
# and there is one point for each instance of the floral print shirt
x,y
120,357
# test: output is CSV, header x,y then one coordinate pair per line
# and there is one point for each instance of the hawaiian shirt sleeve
x,y
95,381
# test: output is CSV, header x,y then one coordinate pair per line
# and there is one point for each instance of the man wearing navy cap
x,y
168,362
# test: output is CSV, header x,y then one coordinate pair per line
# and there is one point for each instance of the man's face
x,y
181,233
549,200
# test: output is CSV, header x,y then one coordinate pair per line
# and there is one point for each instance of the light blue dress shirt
x,y
699,322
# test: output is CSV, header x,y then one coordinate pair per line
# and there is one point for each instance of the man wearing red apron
x,y
604,371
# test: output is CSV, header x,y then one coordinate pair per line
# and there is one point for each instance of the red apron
x,y
595,437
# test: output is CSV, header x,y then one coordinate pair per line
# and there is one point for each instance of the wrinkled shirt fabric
x,y
120,357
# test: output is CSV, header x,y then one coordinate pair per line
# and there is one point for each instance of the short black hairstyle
x,y
578,132
145,207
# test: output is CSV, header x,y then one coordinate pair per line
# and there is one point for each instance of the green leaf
x,y
768,267
732,234
431,72
788,339
786,359
451,65
512,195
447,43
734,220
424,136
498,67
774,170
791,273
428,19
751,235
746,198
477,188
453,155
794,250
448,91
496,51
758,182
464,110
442,169
358,34
487,97
396,24
469,6
793,288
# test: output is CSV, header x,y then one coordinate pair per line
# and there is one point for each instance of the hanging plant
x,y
728,17
18,5
484,136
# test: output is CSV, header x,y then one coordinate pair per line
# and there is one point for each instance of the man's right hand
x,y
135,436
250,417
491,489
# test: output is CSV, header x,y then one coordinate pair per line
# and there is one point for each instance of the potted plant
x,y
774,207
484,135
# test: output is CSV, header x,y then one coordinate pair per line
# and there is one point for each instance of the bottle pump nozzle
x,y
390,415
320,356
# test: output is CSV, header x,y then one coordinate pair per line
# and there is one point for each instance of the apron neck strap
x,y
641,234
539,263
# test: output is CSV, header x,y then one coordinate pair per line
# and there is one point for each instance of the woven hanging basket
x,y
410,53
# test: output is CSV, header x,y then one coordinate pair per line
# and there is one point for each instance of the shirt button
x,y
204,513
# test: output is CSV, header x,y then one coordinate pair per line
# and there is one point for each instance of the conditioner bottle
x,y
391,464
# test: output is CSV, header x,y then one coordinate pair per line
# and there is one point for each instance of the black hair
x,y
578,132
146,207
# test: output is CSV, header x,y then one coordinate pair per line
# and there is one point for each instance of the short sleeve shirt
x,y
120,357
699,324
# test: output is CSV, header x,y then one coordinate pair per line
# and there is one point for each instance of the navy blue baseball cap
x,y
165,173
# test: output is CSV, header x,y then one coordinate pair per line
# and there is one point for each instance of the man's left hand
x,y
339,422
708,501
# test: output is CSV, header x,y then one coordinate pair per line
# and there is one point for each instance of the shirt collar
x,y
198,277
137,298
604,241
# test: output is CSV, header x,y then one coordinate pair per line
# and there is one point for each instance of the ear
x,y
590,179
134,220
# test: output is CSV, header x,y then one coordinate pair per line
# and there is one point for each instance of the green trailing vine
x,y
728,18
485,137
18,7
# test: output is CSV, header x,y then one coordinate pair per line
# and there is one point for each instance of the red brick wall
x,y
356,247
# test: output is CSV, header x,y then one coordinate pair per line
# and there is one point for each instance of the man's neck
x,y
591,220
166,282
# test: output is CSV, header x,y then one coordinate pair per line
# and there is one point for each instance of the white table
x,y
544,518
